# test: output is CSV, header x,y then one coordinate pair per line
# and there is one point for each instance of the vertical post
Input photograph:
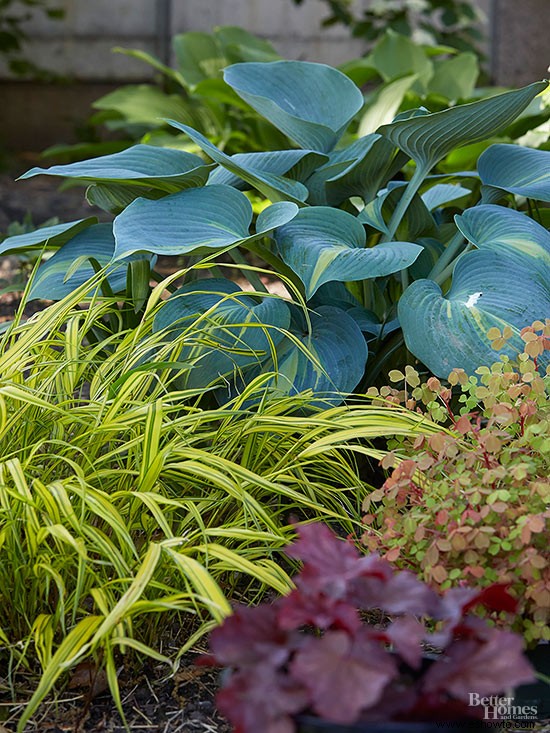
x,y
163,30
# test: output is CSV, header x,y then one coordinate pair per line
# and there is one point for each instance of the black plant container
x,y
310,724
537,694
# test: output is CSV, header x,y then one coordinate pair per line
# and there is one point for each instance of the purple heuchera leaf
x,y
406,635
261,702
313,651
401,593
487,667
329,563
301,609
343,675
250,636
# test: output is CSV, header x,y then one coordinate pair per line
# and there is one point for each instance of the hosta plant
x,y
346,645
472,505
375,248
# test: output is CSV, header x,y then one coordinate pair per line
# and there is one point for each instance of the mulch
x,y
152,702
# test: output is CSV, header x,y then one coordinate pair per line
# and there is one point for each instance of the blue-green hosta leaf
x,y
336,294
442,194
428,138
226,329
517,170
95,242
51,236
488,290
417,220
334,357
295,164
322,244
213,217
360,169
498,229
274,187
139,165
114,197
311,103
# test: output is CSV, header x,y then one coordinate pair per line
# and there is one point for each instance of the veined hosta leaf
x,y
228,329
212,217
334,357
416,222
311,103
359,169
428,138
145,165
506,283
55,235
96,242
517,170
498,229
274,187
336,294
443,193
295,164
114,197
322,244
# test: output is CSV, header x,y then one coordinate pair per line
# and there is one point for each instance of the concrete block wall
x,y
80,46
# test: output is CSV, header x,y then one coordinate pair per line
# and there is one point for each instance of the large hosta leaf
x,y
322,244
336,294
517,170
212,217
428,138
145,165
416,222
50,236
273,186
498,229
359,169
505,283
329,357
227,330
295,164
55,278
311,103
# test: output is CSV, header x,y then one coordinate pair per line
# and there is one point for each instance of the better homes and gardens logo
x,y
502,709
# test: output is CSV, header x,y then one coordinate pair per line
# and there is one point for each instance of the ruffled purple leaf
x,y
343,675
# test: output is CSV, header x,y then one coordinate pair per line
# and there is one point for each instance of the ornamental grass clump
x,y
471,505
127,508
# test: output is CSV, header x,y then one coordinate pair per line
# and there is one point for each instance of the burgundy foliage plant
x,y
349,642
